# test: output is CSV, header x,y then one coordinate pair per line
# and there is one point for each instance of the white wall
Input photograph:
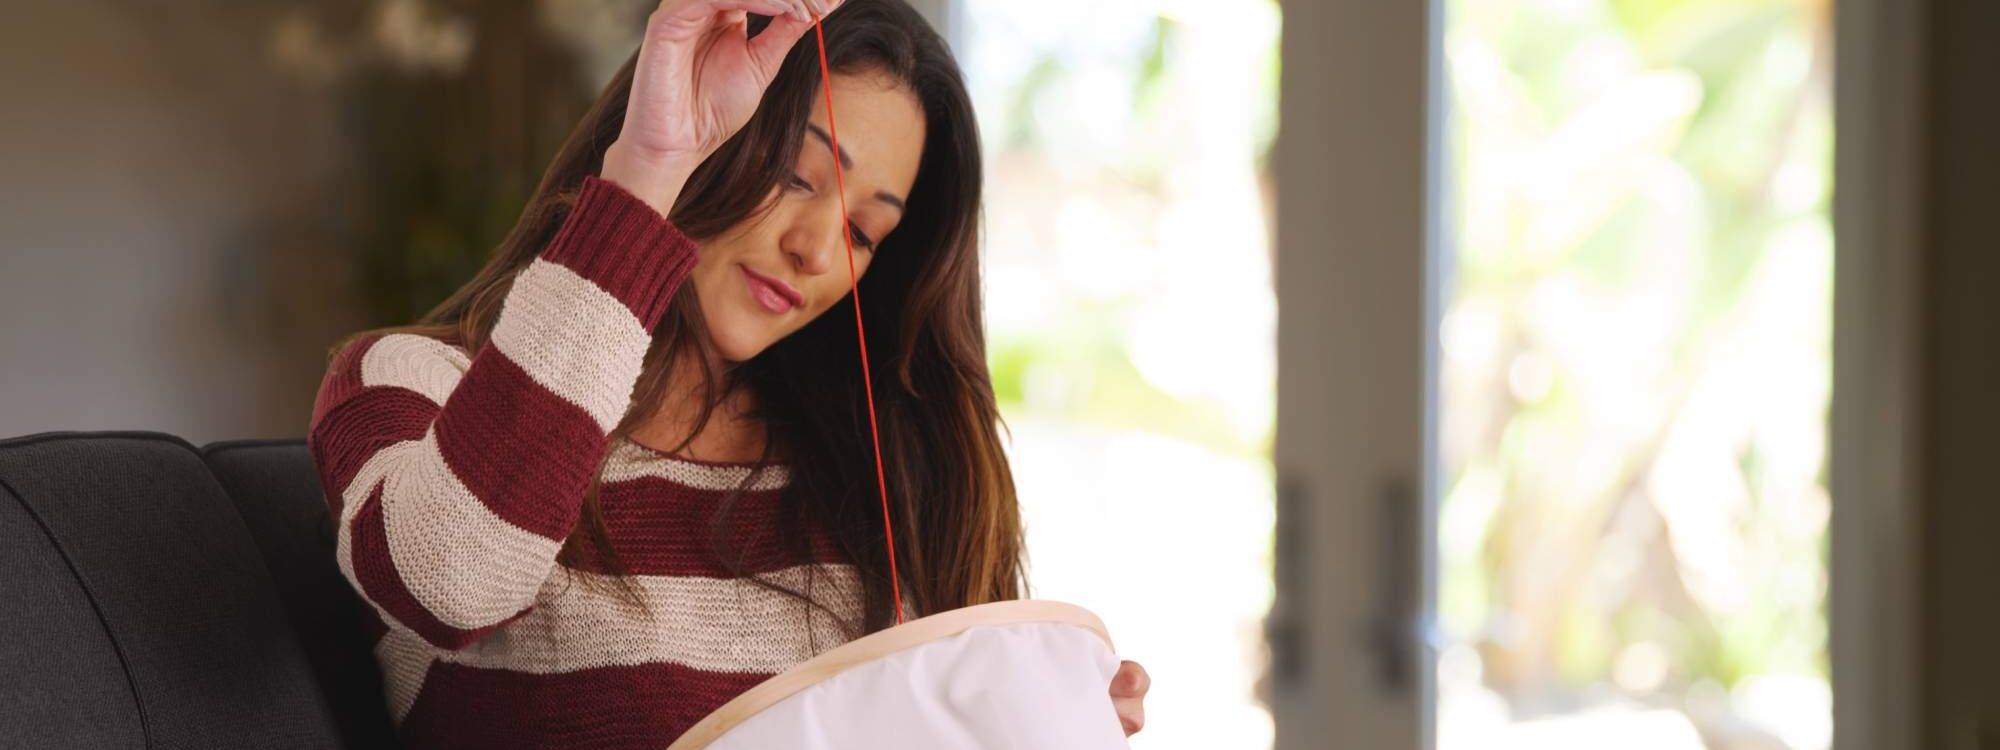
x,y
163,267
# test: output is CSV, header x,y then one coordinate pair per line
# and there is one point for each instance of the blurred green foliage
x,y
1637,343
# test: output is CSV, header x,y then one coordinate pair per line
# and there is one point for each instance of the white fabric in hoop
x,y
1007,675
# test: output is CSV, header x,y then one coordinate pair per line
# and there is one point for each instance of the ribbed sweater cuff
x,y
622,244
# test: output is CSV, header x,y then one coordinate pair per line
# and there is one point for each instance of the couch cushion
x,y
148,616
278,493
62,681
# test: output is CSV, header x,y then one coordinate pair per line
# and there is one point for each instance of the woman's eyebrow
x,y
846,162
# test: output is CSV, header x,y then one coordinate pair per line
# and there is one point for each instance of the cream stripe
x,y
573,338
419,363
406,660
343,533
467,566
712,624
629,460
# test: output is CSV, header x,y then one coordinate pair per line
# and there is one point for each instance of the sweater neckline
x,y
657,453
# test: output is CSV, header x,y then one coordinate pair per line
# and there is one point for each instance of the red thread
x,y
867,382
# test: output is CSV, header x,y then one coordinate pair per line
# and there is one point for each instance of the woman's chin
x,y
737,345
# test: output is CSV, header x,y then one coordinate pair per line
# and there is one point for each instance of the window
x,y
1131,318
1635,375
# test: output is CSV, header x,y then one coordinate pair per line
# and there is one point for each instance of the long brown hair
x,y
951,491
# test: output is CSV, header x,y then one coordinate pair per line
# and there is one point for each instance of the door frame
x,y
1874,599
1356,269
1352,648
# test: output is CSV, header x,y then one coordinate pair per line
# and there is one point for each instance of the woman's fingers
x,y
768,48
1131,680
1131,714
811,9
778,8
1128,695
698,78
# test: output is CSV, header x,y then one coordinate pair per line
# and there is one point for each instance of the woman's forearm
x,y
654,177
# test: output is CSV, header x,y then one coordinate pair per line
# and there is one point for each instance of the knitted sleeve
x,y
455,478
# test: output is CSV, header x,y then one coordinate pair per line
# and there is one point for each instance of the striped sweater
x,y
455,479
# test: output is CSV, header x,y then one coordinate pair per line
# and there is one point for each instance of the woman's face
x,y
797,244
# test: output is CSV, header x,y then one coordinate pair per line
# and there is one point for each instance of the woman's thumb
x,y
768,48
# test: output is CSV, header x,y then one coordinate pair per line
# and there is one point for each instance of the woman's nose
x,y
814,243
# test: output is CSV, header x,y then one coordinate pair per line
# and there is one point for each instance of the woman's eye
x,y
861,240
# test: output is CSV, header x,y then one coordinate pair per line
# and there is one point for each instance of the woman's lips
x,y
767,291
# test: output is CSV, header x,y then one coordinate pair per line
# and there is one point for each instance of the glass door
x,y
1555,284
1635,375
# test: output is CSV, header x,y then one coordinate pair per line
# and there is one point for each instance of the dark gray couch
x,y
158,595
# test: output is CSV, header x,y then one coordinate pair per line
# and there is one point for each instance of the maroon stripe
x,y
639,706
343,376
353,432
383,584
524,451
658,527
623,245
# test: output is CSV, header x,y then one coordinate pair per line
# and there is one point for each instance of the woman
x,y
624,473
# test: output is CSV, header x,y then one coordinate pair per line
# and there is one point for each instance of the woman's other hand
x,y
698,79
1128,695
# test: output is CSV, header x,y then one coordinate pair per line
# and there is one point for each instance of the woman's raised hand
x,y
698,79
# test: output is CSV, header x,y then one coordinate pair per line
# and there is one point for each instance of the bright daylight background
x,y
1635,331
1132,327
1635,375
